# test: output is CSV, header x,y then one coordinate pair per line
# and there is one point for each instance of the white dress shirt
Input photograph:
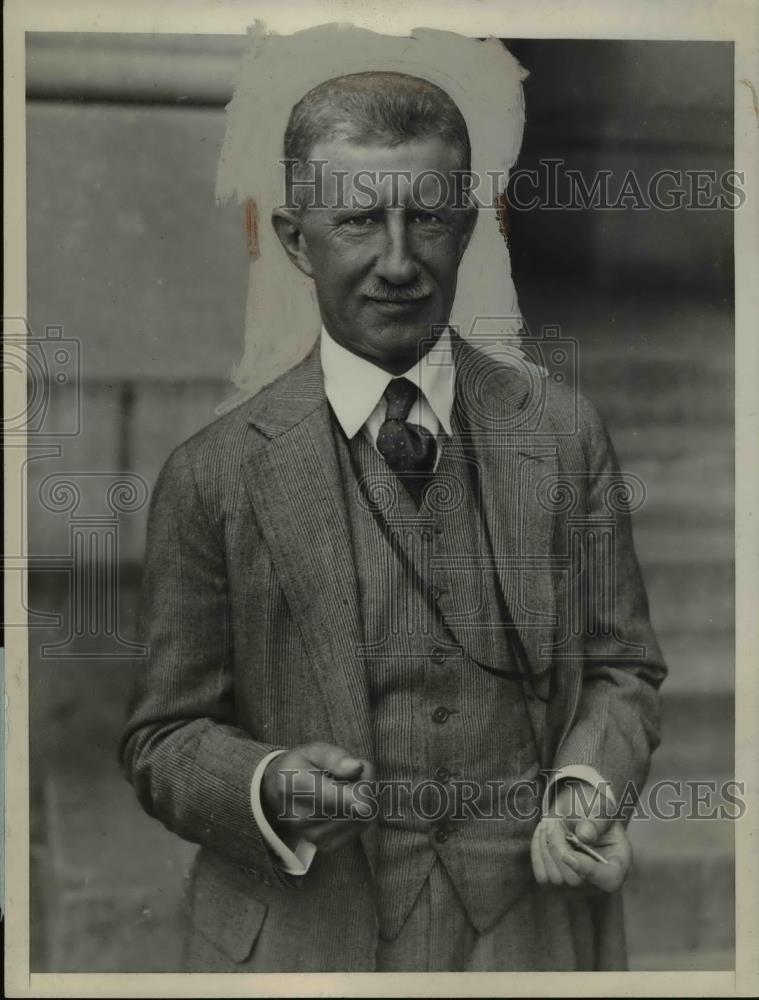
x,y
355,390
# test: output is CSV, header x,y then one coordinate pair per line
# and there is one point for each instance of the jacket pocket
x,y
223,909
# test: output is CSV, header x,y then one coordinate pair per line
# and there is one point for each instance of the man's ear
x,y
469,222
288,227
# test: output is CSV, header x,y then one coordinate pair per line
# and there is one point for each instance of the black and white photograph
x,y
372,602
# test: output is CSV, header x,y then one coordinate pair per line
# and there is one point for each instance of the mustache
x,y
398,293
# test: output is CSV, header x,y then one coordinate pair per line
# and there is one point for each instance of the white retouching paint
x,y
484,80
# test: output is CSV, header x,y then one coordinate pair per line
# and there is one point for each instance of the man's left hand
x,y
575,809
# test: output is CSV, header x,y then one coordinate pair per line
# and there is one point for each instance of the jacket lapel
x,y
293,481
517,459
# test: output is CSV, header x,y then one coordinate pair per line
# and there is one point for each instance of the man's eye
x,y
361,221
422,217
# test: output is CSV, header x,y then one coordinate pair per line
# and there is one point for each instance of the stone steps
x,y
109,880
679,899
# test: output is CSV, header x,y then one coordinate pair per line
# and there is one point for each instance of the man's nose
x,y
397,264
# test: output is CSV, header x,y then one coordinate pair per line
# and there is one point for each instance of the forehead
x,y
391,172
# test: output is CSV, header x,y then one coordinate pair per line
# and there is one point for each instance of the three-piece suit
x,y
294,592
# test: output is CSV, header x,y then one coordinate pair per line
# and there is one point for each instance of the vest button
x,y
437,655
442,774
440,714
441,835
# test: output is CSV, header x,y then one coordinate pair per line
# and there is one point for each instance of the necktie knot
x,y
410,450
400,396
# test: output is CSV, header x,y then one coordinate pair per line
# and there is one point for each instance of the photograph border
x,y
725,20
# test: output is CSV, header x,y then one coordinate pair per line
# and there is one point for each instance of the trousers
x,y
438,936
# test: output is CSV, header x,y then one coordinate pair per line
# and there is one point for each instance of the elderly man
x,y
367,682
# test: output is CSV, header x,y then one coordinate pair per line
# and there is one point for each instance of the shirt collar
x,y
354,385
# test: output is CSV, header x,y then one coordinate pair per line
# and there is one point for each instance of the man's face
x,y
384,253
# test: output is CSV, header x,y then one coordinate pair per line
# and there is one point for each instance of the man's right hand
x,y
309,792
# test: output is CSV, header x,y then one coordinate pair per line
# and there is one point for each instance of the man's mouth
x,y
397,303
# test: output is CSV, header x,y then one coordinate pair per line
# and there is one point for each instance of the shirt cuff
x,y
296,861
580,772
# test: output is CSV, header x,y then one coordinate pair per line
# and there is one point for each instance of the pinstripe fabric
x,y
438,935
240,924
250,610
487,736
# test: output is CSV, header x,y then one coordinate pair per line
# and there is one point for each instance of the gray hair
x,y
374,107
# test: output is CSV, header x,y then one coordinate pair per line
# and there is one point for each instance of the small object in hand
x,y
580,846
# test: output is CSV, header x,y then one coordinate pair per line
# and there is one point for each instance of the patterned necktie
x,y
409,449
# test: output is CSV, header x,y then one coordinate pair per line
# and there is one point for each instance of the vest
x,y
455,755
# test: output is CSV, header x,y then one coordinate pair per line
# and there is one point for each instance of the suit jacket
x,y
250,612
